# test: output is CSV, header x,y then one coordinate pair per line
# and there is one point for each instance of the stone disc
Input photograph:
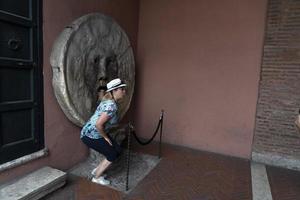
x,y
89,52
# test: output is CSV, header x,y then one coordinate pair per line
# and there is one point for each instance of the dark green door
x,y
21,83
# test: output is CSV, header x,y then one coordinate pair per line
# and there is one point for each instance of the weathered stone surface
x,y
276,134
288,162
34,185
89,52
140,166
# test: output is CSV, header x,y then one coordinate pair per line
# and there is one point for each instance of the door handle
x,y
14,44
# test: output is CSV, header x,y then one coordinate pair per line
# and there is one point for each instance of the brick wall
x,y
279,93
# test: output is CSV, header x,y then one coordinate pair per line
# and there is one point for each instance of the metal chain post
x,y
131,130
160,134
128,155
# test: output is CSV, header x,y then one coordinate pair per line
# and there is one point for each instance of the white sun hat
x,y
114,84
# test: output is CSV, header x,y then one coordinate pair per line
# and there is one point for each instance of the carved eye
x,y
108,61
96,60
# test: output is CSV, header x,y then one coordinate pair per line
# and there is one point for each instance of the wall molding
x,y
23,160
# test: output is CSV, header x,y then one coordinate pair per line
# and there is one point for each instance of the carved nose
x,y
103,78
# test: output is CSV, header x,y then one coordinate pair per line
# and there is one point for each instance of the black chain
x,y
151,139
131,130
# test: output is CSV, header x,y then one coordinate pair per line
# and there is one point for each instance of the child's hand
x,y
108,141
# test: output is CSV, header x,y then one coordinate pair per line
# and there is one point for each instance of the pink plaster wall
x,y
200,61
61,136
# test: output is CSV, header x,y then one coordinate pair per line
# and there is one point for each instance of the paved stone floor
x,y
285,184
188,174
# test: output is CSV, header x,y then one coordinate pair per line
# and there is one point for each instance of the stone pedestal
x,y
140,165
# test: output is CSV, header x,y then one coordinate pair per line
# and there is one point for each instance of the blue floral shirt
x,y
110,108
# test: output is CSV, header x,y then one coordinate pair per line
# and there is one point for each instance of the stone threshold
x,y
24,159
34,185
276,160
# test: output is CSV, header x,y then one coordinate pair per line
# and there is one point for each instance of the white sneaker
x,y
94,172
101,180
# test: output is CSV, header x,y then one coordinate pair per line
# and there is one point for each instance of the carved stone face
x,y
90,52
103,68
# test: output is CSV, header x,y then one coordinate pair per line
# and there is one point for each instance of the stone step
x,y
34,185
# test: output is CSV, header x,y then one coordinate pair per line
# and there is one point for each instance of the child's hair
x,y
108,96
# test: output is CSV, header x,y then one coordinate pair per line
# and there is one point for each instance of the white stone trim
x,y
260,183
25,159
276,160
